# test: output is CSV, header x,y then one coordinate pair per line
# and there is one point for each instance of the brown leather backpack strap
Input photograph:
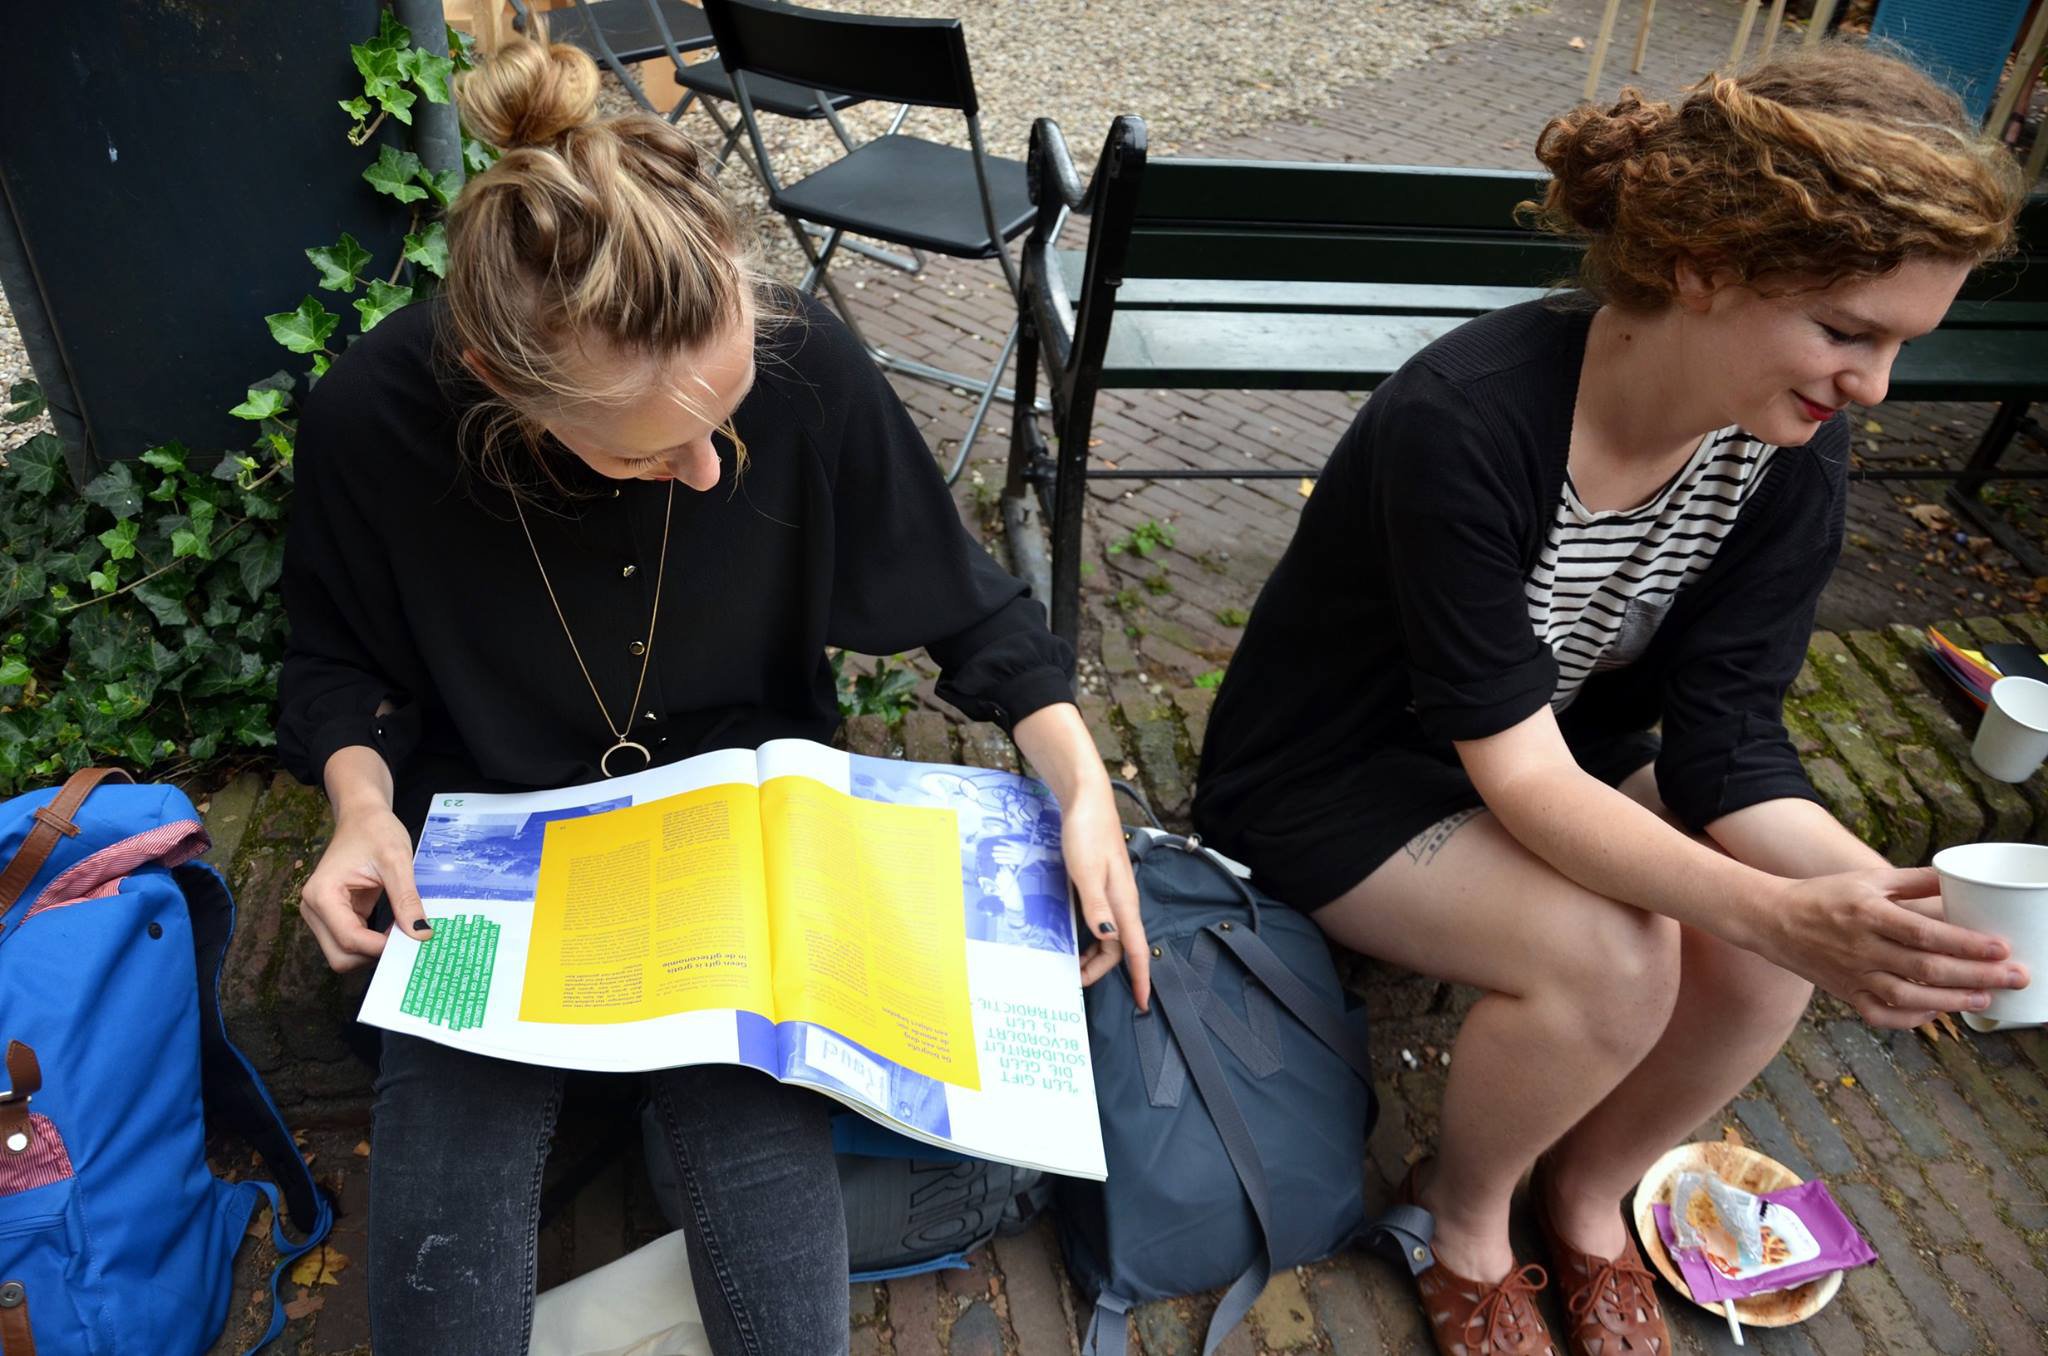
x,y
24,1080
15,1337
53,822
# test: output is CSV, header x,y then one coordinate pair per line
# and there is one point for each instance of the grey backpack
x,y
1234,1114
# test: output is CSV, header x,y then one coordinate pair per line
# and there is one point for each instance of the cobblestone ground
x,y
1938,1147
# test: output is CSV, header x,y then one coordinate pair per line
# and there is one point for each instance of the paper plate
x,y
1739,1166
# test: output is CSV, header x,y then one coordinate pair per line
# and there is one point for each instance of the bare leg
x,y
1735,1010
1579,990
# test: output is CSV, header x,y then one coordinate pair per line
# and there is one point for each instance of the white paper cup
x,y
2013,738
2002,889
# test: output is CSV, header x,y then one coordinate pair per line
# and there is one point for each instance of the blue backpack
x,y
115,1237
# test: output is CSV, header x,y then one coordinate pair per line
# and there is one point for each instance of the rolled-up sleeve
x,y
907,572
347,661
1453,512
1725,745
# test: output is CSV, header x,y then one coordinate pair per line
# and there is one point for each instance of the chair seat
x,y
629,29
913,192
710,79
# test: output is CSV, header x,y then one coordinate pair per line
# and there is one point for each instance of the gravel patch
x,y
1193,71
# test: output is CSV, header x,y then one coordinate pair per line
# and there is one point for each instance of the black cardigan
x,y
408,580
1397,615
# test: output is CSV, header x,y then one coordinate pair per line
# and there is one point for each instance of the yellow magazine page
x,y
650,911
869,931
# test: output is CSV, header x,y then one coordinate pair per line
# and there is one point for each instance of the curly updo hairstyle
x,y
611,232
1831,162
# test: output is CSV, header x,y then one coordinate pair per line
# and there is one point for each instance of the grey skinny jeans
x,y
455,1174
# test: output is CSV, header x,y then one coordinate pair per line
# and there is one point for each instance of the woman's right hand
x,y
370,854
1877,940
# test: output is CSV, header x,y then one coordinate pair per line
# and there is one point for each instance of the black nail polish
x,y
1106,929
422,925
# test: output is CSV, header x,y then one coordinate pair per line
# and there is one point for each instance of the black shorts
x,y
1318,839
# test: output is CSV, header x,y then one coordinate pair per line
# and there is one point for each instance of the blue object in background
x,y
1962,43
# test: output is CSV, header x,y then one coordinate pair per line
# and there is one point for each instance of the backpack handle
x,y
24,1080
53,821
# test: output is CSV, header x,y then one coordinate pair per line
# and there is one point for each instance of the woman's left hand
x,y
1099,864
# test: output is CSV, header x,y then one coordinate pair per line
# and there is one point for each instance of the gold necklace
x,y
646,653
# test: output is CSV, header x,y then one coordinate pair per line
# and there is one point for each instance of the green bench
x,y
1260,275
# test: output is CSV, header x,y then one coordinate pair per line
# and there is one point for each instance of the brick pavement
x,y
1939,1149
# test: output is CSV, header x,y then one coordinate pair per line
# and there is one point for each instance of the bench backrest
x,y
1250,220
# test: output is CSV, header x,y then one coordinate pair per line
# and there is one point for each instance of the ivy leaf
x,y
394,173
384,298
477,156
24,402
341,264
357,108
398,102
120,539
21,582
114,490
441,186
13,673
461,47
105,580
261,563
321,362
263,403
431,73
169,457
391,32
306,329
429,247
38,464
163,599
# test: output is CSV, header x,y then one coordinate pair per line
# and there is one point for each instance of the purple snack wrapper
x,y
1817,1226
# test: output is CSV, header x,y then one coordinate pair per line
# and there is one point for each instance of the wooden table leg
x,y
1643,37
1823,12
1749,8
1600,49
1777,22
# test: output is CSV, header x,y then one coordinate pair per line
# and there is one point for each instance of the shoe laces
x,y
1609,1277
1509,1307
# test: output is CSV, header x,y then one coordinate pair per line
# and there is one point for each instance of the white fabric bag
x,y
641,1305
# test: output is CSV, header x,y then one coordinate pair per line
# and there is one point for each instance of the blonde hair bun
x,y
527,91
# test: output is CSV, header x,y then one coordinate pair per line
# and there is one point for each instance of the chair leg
x,y
884,359
988,395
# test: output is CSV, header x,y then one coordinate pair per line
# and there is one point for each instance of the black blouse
x,y
1398,616
407,579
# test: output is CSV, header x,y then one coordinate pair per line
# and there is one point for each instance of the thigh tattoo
x,y
1424,846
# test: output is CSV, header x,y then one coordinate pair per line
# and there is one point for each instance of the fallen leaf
x,y
1847,1080
309,1157
1930,1031
1949,1024
1730,1135
259,1227
303,1305
1416,1153
362,1149
1308,487
1577,44
1129,770
1872,426
1933,517
322,1266
1095,442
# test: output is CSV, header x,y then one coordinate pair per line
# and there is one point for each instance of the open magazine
x,y
896,935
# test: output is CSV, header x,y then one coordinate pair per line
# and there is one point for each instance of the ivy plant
x,y
139,614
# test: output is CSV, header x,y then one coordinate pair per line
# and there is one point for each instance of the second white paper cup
x,y
2002,889
2013,738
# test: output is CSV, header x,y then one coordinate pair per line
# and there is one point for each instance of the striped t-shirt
x,y
1605,579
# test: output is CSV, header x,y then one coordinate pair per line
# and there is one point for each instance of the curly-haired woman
x,y
1557,527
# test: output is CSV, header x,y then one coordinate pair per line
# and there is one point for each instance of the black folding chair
x,y
900,189
619,33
